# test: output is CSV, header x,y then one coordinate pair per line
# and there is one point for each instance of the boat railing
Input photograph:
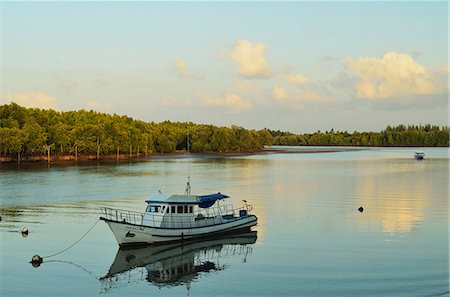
x,y
201,218
224,211
120,215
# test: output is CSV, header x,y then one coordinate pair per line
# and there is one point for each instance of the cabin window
x,y
191,209
186,209
153,208
172,209
167,209
180,209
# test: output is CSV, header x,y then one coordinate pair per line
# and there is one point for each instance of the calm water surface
x,y
310,241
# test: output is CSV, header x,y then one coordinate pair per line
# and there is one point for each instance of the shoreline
x,y
112,158
66,159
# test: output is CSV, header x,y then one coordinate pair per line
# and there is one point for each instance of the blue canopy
x,y
203,201
209,200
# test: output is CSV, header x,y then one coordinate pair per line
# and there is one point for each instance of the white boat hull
x,y
131,234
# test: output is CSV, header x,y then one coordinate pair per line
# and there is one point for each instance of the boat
x,y
176,264
171,217
419,155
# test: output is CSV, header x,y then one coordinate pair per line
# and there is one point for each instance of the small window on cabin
x,y
163,209
149,209
167,209
157,207
172,209
180,209
186,209
191,209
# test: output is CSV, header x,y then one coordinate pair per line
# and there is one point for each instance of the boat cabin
x,y
419,155
168,210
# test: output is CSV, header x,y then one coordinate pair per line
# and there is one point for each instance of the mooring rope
x,y
74,242
74,264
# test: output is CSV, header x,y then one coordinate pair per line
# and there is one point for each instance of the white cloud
x,y
250,59
394,75
183,70
297,79
314,95
36,99
297,98
244,85
231,101
279,93
283,98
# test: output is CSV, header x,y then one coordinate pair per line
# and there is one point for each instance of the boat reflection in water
x,y
176,264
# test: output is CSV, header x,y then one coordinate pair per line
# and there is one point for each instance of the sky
x,y
291,66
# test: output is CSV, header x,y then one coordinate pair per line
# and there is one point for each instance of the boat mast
x,y
188,183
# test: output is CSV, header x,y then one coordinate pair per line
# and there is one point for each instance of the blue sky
x,y
298,66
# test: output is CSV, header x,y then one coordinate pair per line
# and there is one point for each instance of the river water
x,y
310,241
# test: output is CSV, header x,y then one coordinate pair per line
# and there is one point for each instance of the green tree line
x,y
412,135
26,132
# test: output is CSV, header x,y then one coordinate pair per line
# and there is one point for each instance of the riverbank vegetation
x,y
31,133
412,135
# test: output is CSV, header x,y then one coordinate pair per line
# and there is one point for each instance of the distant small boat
x,y
419,155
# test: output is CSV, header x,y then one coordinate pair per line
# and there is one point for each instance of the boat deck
x,y
208,217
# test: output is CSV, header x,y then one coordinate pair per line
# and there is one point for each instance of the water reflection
x,y
176,264
395,206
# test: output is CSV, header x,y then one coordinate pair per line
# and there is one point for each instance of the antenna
x,y
188,183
